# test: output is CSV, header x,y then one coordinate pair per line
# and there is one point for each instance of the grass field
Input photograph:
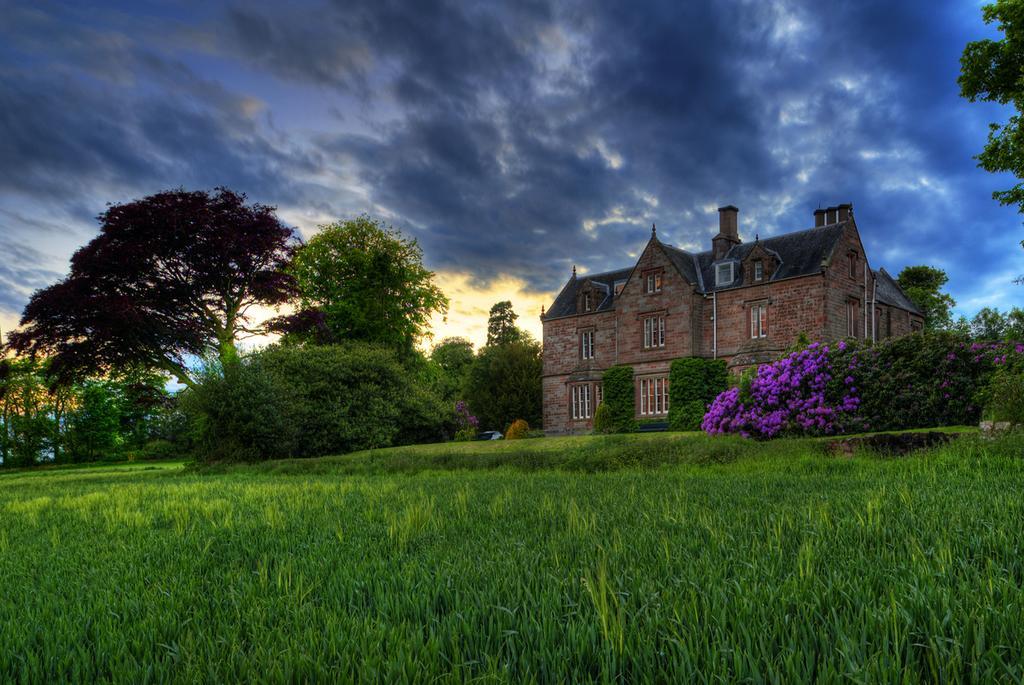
x,y
669,558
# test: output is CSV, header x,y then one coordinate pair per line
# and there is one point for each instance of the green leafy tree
x,y
501,325
94,424
990,71
504,384
923,285
360,280
1015,324
988,324
28,412
452,359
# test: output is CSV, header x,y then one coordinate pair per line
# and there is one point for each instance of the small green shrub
x,y
688,416
603,419
1006,396
518,430
693,384
619,397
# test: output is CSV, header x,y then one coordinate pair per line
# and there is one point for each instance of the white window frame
x,y
654,396
758,318
719,281
587,345
758,270
652,282
586,302
654,332
581,407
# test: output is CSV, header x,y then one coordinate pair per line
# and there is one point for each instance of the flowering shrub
x,y
466,424
922,380
794,395
927,379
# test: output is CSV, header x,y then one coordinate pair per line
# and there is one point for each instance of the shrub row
x,y
311,401
918,381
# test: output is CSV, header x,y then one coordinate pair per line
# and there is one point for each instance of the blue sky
x,y
513,140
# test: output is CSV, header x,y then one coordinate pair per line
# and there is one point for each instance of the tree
x,y
93,427
1015,325
923,285
990,71
504,384
171,276
360,280
988,324
501,324
452,358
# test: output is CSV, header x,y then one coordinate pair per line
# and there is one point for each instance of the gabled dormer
x,y
759,265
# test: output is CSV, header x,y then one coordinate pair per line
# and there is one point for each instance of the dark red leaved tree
x,y
170,276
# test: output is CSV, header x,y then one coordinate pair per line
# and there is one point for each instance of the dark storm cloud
x,y
521,138
20,274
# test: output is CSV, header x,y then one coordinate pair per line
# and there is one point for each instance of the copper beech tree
x,y
171,276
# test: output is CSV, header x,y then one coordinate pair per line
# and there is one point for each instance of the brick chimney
x,y
728,231
833,215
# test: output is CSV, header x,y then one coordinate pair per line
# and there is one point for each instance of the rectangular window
x,y
723,274
598,394
654,332
759,321
758,270
851,318
853,265
580,402
652,282
587,345
653,396
586,302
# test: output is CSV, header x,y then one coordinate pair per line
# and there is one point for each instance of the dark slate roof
x,y
565,303
889,292
800,253
686,262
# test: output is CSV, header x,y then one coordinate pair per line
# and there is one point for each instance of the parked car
x,y
489,435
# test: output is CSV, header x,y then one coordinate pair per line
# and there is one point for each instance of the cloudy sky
x,y
512,140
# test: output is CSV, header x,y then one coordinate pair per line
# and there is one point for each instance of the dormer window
x,y
587,302
758,270
723,274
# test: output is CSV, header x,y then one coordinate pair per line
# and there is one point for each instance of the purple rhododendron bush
x,y
917,381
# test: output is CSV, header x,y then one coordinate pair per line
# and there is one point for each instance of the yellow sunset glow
x,y
471,302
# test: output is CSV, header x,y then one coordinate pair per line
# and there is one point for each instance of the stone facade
x,y
671,304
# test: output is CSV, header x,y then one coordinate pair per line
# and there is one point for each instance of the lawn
x,y
672,558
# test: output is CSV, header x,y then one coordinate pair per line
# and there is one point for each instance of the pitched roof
x,y
565,303
889,292
800,253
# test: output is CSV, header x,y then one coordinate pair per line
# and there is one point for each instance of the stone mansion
x,y
742,302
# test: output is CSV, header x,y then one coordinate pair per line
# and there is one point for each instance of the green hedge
x,y
620,398
693,384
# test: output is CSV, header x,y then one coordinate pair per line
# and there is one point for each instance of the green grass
x,y
705,561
